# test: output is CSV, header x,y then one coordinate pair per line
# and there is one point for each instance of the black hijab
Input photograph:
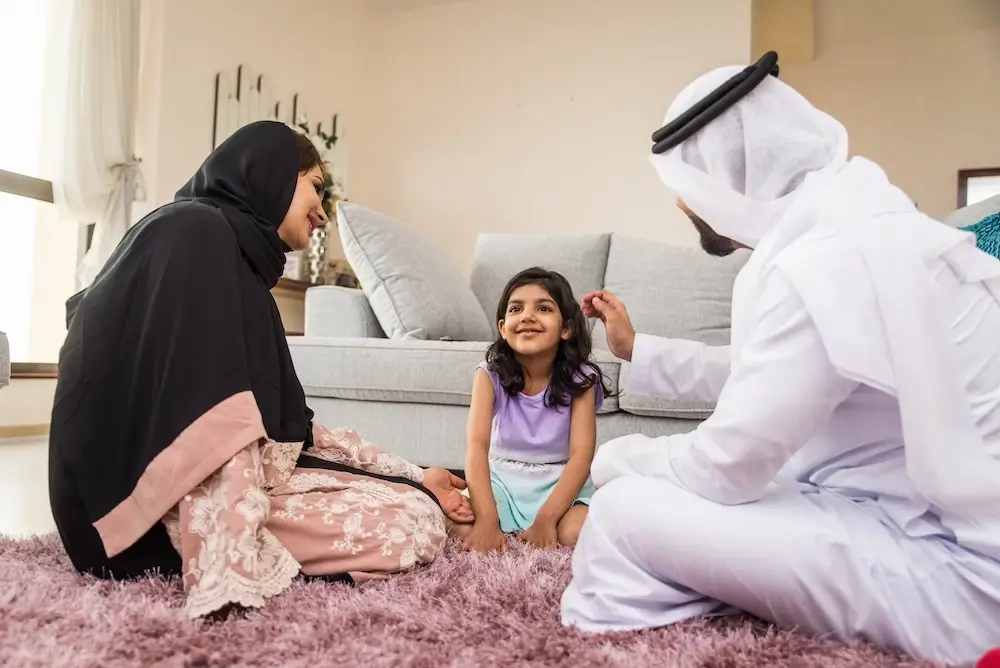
x,y
246,178
179,322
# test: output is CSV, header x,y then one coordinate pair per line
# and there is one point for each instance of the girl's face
x,y
305,213
532,323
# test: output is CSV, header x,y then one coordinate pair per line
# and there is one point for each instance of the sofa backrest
x,y
498,257
668,290
671,291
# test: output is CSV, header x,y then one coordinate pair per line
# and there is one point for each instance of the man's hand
x,y
621,335
541,533
486,537
446,485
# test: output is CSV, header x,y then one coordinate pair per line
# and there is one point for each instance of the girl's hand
x,y
542,533
486,537
446,485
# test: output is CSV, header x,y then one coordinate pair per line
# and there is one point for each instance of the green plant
x,y
326,141
328,198
329,140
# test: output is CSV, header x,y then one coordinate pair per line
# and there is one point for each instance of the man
x,y
848,481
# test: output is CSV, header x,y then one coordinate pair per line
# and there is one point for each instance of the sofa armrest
x,y
333,311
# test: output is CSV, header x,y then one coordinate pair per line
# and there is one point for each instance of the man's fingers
x,y
604,309
457,482
612,301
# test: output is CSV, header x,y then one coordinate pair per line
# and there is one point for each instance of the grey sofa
x,y
412,395
411,392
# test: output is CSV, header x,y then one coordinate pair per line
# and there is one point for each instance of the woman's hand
x,y
486,537
446,485
541,533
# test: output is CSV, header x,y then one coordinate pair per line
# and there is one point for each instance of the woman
x,y
180,438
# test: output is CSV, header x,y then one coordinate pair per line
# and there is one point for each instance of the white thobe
x,y
792,501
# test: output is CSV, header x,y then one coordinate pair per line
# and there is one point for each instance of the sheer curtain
x,y
92,87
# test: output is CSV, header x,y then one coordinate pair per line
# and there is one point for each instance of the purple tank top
x,y
526,430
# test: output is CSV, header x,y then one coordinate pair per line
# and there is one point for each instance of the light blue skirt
x,y
520,490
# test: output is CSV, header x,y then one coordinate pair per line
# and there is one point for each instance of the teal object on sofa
x,y
987,233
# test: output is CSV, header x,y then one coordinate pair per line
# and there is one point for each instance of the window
x,y
38,254
976,185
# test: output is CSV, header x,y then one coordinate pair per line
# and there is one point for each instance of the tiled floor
x,y
24,487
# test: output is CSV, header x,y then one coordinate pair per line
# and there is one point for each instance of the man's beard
x,y
712,242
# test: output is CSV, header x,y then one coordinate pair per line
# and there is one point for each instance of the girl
x,y
532,424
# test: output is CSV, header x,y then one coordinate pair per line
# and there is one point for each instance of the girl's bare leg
x,y
568,529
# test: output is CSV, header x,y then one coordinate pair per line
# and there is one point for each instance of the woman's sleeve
x,y
219,529
345,446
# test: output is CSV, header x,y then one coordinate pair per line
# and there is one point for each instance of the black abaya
x,y
175,358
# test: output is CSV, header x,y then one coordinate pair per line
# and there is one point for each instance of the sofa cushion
x,y
411,371
660,407
671,291
498,257
332,310
414,290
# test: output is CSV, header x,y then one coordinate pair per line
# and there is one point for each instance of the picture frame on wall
x,y
976,185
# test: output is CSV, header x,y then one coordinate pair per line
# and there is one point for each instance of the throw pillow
x,y
414,290
987,233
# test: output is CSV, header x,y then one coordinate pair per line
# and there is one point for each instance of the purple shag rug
x,y
464,610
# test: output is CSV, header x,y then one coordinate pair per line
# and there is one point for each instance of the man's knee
x,y
611,507
636,504
606,466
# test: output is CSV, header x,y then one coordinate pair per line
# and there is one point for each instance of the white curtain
x,y
92,89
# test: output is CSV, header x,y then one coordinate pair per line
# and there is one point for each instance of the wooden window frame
x,y
963,181
23,185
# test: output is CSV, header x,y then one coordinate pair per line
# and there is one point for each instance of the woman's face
x,y
305,213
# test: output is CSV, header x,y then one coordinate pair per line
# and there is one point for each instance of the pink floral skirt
x,y
347,508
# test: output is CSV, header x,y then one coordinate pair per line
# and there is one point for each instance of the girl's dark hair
x,y
309,156
572,357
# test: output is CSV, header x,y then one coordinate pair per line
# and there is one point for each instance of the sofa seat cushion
x,y
401,371
659,407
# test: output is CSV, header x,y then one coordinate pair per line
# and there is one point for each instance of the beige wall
x,y
529,115
314,48
916,83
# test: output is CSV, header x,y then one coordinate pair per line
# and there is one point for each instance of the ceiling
x,y
399,5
